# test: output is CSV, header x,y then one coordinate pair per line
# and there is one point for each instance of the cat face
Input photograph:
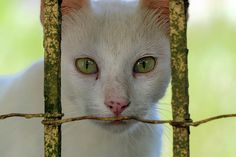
x,y
115,58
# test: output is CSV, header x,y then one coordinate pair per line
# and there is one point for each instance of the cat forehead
x,y
117,26
101,16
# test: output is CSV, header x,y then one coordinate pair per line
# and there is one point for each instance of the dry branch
x,y
148,121
27,116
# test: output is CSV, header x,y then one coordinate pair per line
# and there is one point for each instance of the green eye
x,y
144,65
86,65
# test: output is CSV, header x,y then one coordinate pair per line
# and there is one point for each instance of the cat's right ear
x,y
67,6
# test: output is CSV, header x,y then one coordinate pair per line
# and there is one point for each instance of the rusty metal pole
x,y
52,78
180,96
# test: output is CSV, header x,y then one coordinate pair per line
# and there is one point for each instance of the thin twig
x,y
197,123
23,115
67,120
29,116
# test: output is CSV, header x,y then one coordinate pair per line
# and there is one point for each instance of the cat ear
x,y
67,6
162,6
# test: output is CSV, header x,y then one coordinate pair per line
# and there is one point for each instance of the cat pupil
x,y
144,64
86,64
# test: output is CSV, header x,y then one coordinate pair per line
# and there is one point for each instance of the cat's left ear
x,y
67,6
162,6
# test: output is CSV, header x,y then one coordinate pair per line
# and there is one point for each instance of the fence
x,y
180,99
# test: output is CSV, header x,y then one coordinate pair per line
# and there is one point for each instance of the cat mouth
x,y
115,122
118,122
116,126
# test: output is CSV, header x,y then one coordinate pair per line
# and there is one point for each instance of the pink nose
x,y
117,106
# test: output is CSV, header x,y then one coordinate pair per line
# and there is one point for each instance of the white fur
x,y
115,35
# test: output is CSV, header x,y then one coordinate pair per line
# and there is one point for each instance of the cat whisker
x,y
164,103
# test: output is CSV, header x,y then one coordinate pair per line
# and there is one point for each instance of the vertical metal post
x,y
52,80
180,96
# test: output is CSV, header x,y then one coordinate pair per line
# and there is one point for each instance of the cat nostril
x,y
123,107
117,107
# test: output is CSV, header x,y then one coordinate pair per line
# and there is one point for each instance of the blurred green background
x,y
212,67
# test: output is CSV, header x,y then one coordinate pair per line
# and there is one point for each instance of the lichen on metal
x,y
52,80
180,96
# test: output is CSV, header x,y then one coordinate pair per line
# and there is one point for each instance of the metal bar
x,y
179,64
52,78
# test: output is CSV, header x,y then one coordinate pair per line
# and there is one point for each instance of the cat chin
x,y
116,127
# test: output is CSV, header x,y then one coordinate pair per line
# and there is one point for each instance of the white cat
x,y
115,62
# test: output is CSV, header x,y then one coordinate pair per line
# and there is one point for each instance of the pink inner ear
x,y
70,5
67,6
162,5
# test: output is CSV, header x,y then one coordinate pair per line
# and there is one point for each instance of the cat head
x,y
115,57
